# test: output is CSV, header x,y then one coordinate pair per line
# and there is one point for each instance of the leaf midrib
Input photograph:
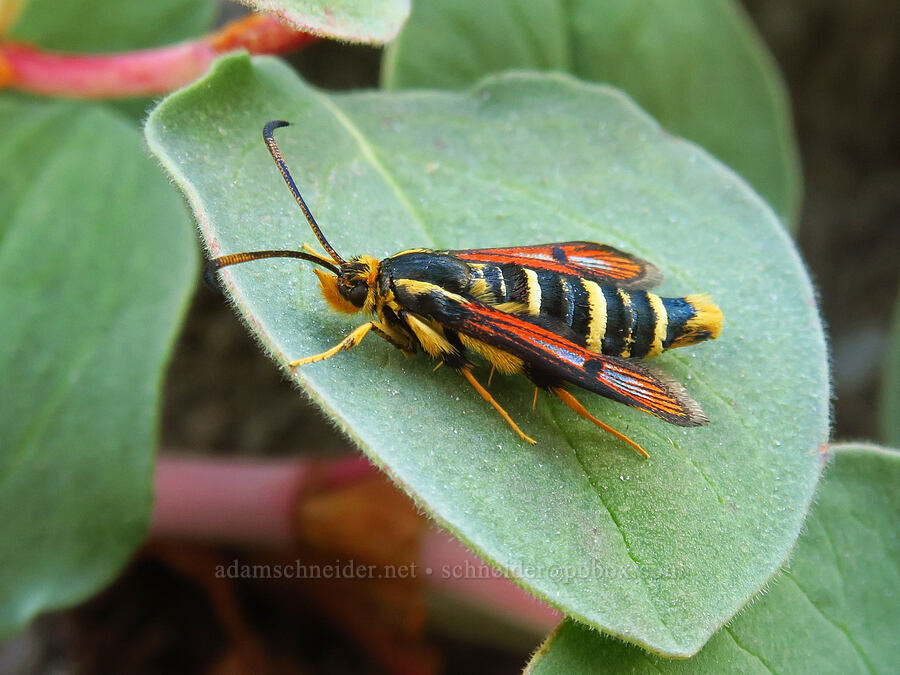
x,y
598,494
368,152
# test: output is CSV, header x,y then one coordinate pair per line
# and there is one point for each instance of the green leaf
x,y
889,412
698,67
833,611
95,268
660,552
367,21
91,26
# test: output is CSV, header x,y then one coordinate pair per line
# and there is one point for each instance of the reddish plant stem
x,y
140,73
254,503
240,502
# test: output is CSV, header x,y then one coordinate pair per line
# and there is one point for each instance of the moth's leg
x,y
490,399
348,342
573,403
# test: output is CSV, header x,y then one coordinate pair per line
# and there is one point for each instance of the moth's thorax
x,y
434,267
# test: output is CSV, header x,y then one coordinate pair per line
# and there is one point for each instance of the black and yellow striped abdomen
x,y
604,318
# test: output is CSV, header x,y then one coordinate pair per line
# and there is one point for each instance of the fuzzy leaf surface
x,y
659,552
699,67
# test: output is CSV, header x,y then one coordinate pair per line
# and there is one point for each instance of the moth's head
x,y
354,288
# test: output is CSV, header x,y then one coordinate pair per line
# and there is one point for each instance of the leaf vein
x,y
368,152
628,548
700,471
747,651
842,629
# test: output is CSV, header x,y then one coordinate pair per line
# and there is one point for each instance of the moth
x,y
574,313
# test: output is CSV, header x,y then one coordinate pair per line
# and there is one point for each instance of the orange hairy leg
x,y
490,399
348,342
573,403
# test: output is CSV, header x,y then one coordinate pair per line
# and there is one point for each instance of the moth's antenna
x,y
268,136
214,265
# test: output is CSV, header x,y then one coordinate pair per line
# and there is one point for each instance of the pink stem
x,y
226,501
98,76
140,73
253,503
241,502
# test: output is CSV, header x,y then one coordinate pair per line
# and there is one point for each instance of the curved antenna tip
x,y
272,126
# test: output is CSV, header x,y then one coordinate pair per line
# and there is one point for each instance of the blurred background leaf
x,y
91,291
700,68
111,25
367,21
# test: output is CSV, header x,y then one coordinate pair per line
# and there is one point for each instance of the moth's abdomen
x,y
622,323
640,324
604,318
691,319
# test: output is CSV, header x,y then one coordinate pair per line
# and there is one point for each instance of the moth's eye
x,y
358,294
